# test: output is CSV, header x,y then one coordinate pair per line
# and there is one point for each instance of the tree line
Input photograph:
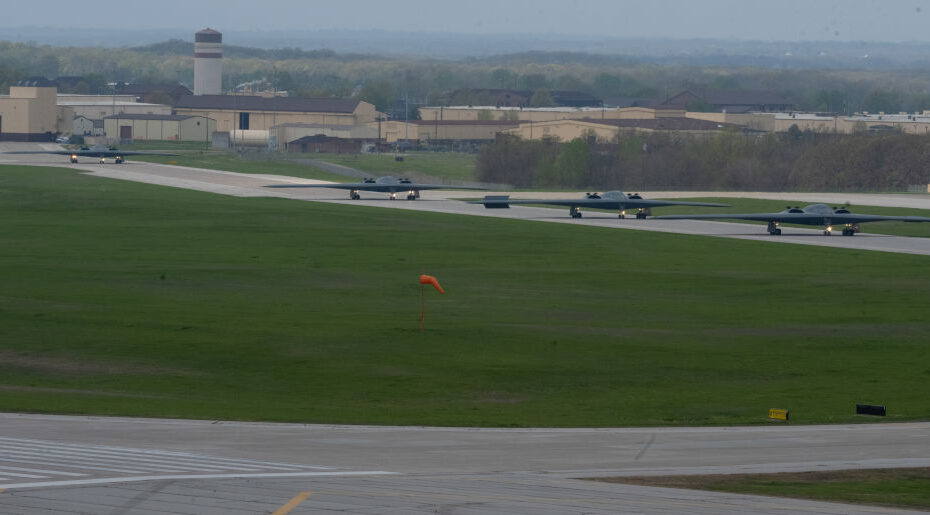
x,y
392,82
729,160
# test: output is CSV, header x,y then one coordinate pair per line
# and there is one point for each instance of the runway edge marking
x,y
135,479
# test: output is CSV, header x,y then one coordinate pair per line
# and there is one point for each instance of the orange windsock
x,y
428,279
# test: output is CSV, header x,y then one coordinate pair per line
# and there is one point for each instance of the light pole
x,y
273,140
379,118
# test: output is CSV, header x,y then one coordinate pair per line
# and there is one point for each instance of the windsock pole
x,y
427,279
422,308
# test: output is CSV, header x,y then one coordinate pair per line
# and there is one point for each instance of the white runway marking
x,y
132,479
62,462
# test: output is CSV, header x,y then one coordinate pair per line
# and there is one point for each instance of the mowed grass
x,y
132,299
232,162
446,165
901,488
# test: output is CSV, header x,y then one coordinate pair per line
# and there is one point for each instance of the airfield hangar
x,y
208,62
30,112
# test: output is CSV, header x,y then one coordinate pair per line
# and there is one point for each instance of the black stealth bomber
x,y
612,200
386,184
814,214
99,151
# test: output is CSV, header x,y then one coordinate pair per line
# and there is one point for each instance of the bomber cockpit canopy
x,y
614,195
820,209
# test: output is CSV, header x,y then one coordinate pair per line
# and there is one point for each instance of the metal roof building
x,y
147,127
242,112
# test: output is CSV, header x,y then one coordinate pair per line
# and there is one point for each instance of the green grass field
x,y
231,162
901,488
447,165
131,299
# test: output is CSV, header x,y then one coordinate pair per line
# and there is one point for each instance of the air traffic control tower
x,y
208,62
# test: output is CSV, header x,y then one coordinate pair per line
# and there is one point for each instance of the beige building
x,y
158,127
446,130
288,132
782,122
604,131
907,123
84,126
763,122
97,107
30,112
240,112
543,114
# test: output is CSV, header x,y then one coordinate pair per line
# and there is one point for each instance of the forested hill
x,y
181,47
396,83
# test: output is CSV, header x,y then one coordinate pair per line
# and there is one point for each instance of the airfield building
x,y
240,112
170,127
30,112
208,62
96,107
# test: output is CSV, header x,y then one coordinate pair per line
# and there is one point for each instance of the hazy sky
x,y
788,20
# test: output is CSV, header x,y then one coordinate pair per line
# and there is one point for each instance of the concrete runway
x,y
69,465
149,466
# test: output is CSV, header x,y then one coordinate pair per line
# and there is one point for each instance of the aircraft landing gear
x,y
353,195
118,160
773,229
850,230
622,214
413,195
575,212
642,214
103,160
393,196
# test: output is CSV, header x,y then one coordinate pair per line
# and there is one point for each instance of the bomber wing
x,y
856,219
816,214
362,186
98,152
383,184
611,200
89,152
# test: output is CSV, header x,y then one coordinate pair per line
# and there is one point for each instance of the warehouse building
x,y
147,127
543,114
30,112
240,112
98,107
290,132
605,131
426,131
